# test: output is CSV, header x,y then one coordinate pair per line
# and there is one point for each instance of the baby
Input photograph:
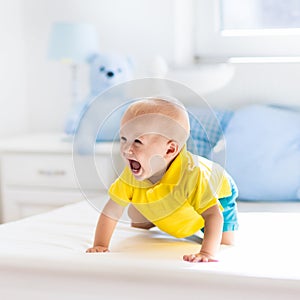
x,y
166,185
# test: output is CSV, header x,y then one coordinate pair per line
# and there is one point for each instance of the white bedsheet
x,y
48,250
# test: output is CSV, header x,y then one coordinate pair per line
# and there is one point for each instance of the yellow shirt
x,y
191,185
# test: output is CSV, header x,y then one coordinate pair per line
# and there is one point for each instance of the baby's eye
x,y
123,139
137,141
102,69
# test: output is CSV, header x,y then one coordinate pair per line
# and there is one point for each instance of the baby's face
x,y
144,148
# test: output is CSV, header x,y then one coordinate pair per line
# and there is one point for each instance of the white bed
x,y
43,257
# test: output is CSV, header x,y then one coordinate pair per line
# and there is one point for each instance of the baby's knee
x,y
145,225
138,220
228,238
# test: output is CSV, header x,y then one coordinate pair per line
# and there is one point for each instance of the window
x,y
259,15
261,28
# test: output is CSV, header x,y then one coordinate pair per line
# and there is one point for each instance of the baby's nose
x,y
110,74
127,149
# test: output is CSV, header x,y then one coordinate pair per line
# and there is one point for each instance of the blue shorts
x,y
230,213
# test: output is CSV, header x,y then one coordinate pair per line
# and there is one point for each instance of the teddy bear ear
x,y
130,62
90,59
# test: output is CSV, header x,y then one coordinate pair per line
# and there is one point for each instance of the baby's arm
x,y
106,226
212,236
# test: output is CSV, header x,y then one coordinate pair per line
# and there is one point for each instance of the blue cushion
x,y
207,127
263,152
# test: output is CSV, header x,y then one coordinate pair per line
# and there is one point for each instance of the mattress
x,y
44,255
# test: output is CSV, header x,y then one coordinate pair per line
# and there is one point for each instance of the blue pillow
x,y
207,127
263,152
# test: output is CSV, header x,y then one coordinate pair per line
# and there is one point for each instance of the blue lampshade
x,y
72,42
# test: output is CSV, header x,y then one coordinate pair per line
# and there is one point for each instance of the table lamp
x,y
73,43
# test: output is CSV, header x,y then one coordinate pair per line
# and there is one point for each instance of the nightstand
x,y
37,174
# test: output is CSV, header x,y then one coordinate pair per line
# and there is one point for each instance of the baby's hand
x,y
97,249
199,257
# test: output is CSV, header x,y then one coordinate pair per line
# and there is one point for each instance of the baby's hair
x,y
167,106
178,127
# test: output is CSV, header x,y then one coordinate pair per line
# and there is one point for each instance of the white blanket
x,y
266,255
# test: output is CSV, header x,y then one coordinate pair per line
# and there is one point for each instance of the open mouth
x,y
135,166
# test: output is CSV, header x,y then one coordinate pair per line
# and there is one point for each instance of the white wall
x,y
14,109
276,83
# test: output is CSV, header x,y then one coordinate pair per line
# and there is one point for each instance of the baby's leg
x,y
228,238
138,220
230,215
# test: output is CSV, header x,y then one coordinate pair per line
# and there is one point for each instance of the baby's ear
x,y
172,149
